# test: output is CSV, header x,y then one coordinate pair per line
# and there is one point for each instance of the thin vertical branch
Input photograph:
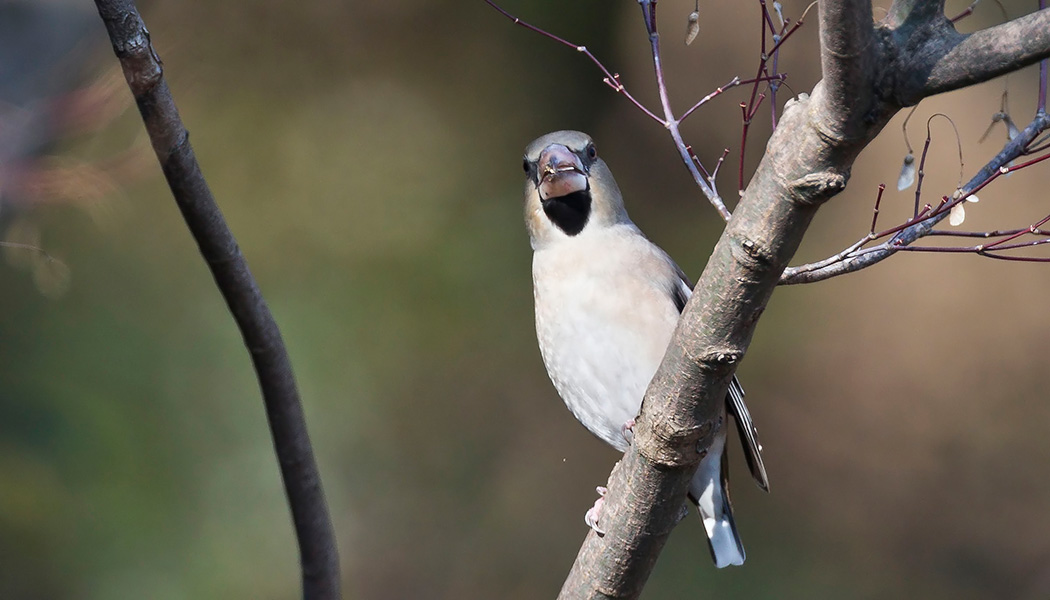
x,y
875,213
748,110
302,482
1042,86
1041,107
921,174
649,16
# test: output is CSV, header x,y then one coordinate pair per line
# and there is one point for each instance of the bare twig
x,y
925,152
856,257
669,120
750,108
735,81
991,250
692,163
302,482
875,213
611,79
966,12
987,234
792,29
969,11
1041,105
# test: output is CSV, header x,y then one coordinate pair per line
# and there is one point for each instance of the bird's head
x,y
568,188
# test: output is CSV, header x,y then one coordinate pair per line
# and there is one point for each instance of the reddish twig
x,y
704,180
965,13
857,256
611,79
986,250
987,234
670,122
750,108
875,213
794,28
736,81
1041,105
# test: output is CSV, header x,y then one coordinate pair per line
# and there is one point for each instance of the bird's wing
x,y
681,288
748,433
680,292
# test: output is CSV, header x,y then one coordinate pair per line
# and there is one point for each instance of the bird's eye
x,y
525,164
592,153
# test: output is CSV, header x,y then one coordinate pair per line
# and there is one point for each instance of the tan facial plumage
x,y
589,174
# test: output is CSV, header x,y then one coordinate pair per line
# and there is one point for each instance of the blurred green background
x,y
367,156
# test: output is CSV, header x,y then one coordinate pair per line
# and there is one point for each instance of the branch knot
x,y
143,69
673,446
814,189
752,255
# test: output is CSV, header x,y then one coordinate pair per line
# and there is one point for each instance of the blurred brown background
x,y
367,157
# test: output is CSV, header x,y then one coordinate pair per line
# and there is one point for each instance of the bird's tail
x,y
710,491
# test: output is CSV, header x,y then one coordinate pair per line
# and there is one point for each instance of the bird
x,y
607,301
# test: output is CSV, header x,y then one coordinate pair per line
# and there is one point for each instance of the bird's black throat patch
x,y
569,212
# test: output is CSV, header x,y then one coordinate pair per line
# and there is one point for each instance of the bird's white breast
x,y
604,318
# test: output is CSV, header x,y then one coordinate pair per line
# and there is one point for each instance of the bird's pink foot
x,y
594,513
627,429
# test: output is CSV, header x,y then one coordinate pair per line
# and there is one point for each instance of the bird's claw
x,y
594,512
683,513
627,430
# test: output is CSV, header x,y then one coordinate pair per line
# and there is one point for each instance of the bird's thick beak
x,y
561,172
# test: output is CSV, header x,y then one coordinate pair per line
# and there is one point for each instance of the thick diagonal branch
x,y
965,60
302,482
847,60
807,161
